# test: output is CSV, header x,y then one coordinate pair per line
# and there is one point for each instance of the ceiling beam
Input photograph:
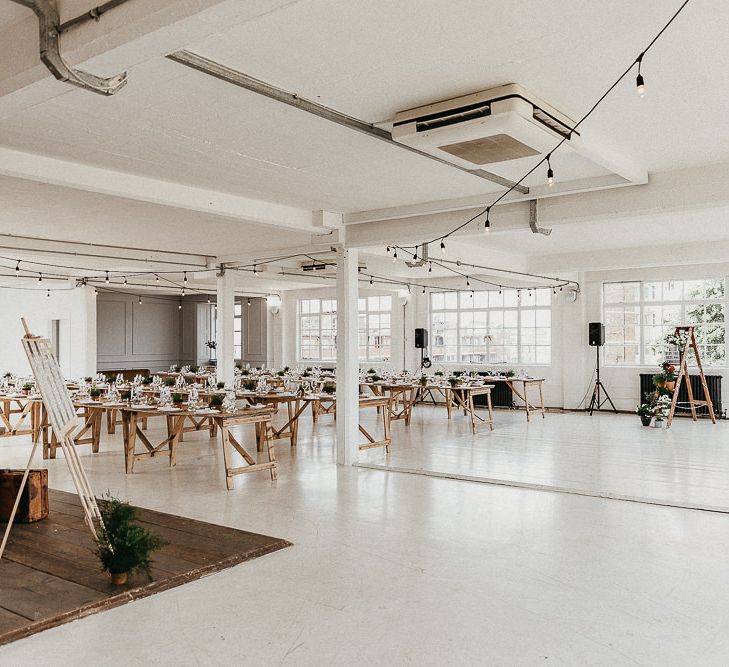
x,y
166,193
697,189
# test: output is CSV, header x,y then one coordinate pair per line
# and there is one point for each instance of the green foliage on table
x,y
220,385
123,545
175,369
329,388
439,374
177,398
27,386
88,379
509,374
194,369
125,395
454,381
94,392
250,385
111,379
215,401
281,374
170,382
146,380
375,378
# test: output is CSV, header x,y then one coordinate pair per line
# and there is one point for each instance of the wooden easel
x,y
64,422
690,344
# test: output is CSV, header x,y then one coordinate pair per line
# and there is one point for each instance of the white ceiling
x,y
371,60
11,13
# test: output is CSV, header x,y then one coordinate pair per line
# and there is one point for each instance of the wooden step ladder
x,y
689,338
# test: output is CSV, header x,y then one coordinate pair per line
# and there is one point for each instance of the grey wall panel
x,y
130,335
111,328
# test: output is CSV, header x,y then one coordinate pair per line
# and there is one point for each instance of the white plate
x,y
170,409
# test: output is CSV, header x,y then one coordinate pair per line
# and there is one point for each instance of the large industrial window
x,y
317,329
374,331
490,327
639,315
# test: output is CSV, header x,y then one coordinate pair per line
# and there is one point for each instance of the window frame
x,y
367,313
642,304
505,301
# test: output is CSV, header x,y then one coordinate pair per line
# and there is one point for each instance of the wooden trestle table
x,y
225,421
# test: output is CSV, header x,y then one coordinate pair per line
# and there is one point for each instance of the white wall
x,y
74,308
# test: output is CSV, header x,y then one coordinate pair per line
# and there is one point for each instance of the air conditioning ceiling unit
x,y
489,127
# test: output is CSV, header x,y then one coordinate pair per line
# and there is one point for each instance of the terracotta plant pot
x,y
670,385
119,578
660,385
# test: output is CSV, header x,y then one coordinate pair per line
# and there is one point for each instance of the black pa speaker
x,y
596,334
421,339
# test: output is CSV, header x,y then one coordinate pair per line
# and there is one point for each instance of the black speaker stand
x,y
597,401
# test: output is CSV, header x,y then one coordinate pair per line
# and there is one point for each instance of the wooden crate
x,y
34,501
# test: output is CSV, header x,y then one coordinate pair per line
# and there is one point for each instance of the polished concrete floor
x,y
393,568
604,455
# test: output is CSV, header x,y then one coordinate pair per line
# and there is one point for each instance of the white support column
x,y
224,330
347,357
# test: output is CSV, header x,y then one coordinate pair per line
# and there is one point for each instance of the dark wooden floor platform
x,y
49,574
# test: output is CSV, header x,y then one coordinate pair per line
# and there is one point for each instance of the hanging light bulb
x,y
125,281
518,294
179,306
487,222
156,278
107,278
388,250
415,255
255,270
183,291
95,291
17,269
550,173
468,282
48,293
248,303
442,248
430,267
639,80
208,300
140,300
370,281
423,289
499,289
184,278
471,294
40,277
394,256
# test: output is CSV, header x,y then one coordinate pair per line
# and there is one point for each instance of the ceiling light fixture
x,y
550,173
639,80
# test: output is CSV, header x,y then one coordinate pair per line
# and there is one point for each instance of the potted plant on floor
x,y
122,545
661,410
645,412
